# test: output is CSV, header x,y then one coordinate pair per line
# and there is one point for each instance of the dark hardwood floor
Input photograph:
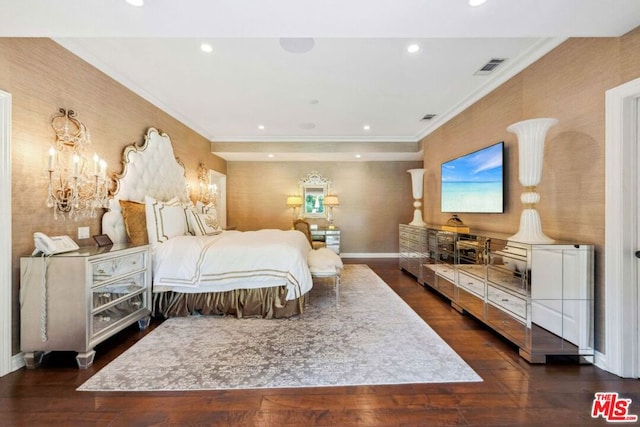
x,y
513,392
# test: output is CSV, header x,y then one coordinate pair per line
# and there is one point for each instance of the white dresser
x,y
74,301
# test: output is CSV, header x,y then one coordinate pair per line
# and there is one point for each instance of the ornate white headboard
x,y
148,170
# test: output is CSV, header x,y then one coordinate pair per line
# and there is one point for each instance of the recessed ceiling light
x,y
136,3
366,127
413,48
270,155
474,3
357,156
206,47
261,127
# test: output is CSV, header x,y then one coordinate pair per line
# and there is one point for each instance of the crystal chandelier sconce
x,y
531,134
78,187
416,187
208,191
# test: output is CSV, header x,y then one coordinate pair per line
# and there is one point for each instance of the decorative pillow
x,y
209,208
135,221
165,219
204,224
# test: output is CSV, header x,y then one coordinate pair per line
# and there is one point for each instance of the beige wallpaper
x,y
374,198
42,77
569,84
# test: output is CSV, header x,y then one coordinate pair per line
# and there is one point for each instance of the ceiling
x,y
300,80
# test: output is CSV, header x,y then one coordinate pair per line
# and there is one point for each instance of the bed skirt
x,y
263,302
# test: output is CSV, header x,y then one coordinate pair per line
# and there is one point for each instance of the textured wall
x,y
569,84
374,198
42,77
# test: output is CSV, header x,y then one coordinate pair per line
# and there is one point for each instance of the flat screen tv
x,y
474,183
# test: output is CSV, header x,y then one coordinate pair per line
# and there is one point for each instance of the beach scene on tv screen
x,y
473,183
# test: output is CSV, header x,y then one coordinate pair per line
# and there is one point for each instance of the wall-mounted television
x,y
474,183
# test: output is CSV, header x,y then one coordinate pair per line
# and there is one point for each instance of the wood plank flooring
x,y
513,392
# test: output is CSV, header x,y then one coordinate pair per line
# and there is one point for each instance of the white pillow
x,y
203,224
209,208
165,219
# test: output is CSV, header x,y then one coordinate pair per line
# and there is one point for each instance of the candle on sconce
x,y
52,158
76,166
96,164
103,169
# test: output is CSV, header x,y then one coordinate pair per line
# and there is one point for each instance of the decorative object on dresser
x,y
74,301
416,187
208,192
539,296
531,134
294,202
75,188
383,342
331,200
455,224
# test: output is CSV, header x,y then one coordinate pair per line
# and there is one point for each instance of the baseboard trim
x,y
17,361
369,255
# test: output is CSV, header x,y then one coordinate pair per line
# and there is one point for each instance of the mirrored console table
x,y
330,236
538,296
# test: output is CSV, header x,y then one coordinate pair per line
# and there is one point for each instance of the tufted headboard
x,y
148,170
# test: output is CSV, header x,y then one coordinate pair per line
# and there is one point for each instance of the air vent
x,y
428,117
489,66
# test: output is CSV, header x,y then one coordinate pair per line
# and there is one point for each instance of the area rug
x,y
370,336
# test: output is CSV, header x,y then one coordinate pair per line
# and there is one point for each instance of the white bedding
x,y
233,260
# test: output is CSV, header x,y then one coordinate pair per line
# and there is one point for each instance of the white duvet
x,y
233,260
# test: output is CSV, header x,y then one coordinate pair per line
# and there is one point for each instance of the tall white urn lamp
x,y
531,134
416,186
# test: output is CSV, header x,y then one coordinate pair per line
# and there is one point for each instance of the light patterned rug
x,y
371,337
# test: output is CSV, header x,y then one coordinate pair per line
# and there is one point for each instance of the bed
x,y
198,268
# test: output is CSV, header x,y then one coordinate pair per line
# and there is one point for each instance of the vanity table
x,y
330,236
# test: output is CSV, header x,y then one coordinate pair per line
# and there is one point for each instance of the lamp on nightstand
x,y
331,200
294,202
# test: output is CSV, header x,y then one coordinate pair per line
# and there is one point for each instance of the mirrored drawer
x,y
471,284
110,315
105,270
508,302
107,294
332,240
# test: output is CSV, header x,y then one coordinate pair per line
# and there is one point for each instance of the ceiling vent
x,y
428,117
489,67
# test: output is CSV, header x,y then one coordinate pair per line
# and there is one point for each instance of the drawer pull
x,y
102,271
505,299
104,318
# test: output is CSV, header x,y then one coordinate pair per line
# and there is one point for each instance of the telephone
x,y
53,245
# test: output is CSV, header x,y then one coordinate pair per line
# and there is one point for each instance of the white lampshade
x,y
294,201
331,200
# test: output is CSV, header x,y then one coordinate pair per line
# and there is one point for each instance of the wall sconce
x,y
208,191
77,187
294,202
331,200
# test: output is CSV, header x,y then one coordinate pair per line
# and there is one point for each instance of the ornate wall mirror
x,y
313,188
